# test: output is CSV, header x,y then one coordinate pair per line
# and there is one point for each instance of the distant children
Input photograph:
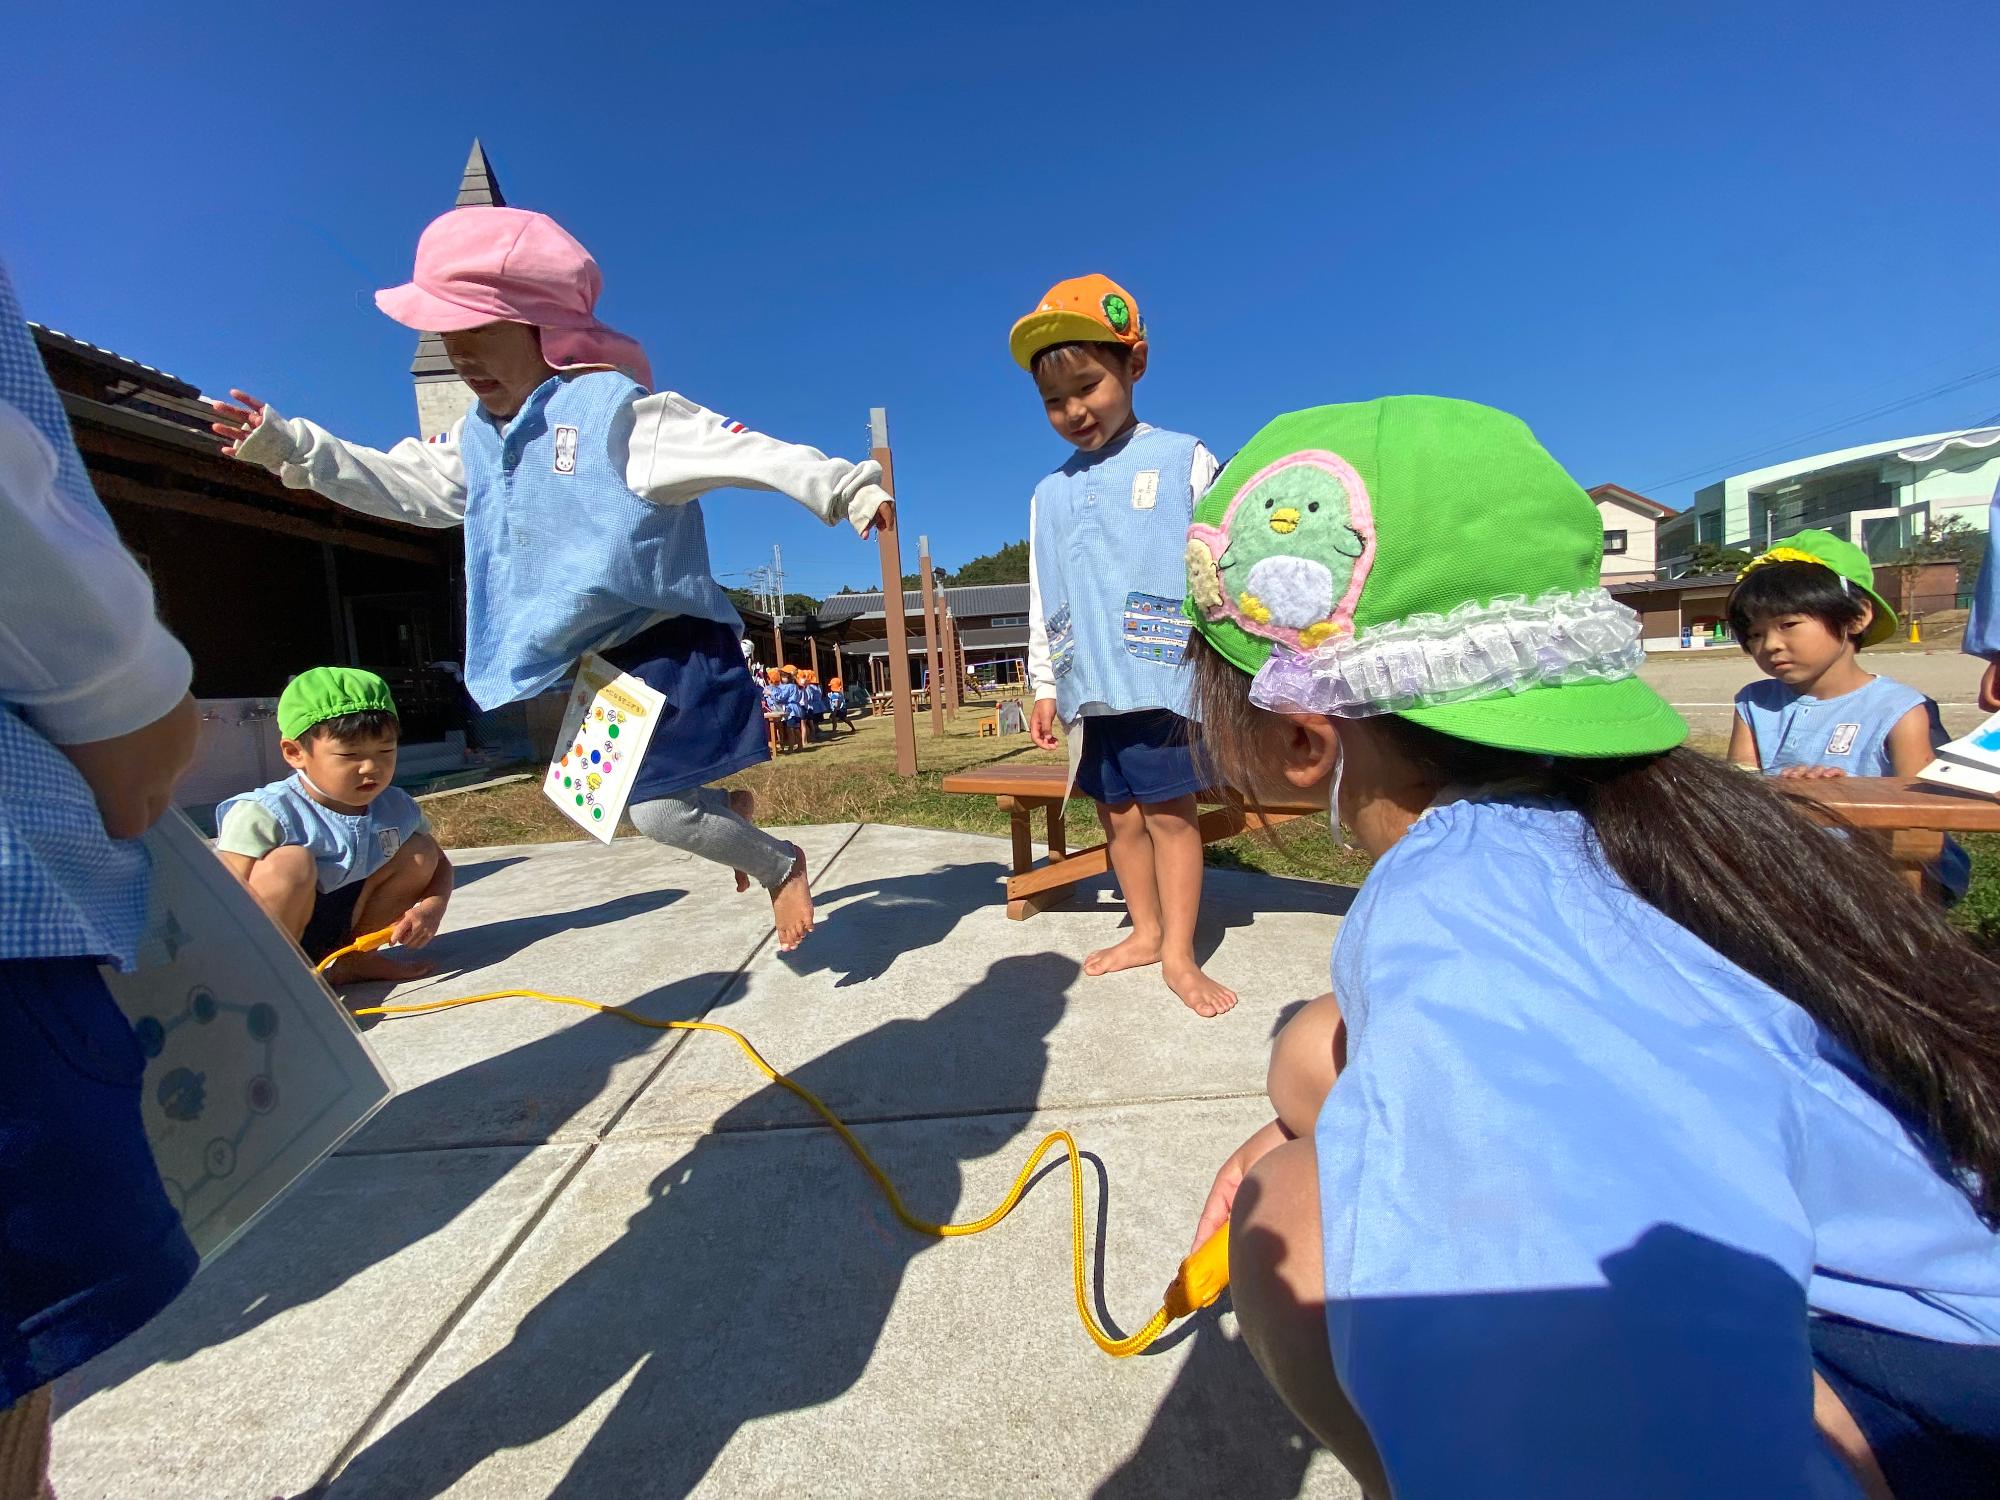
x,y
1804,610
1106,637
836,705
1649,1143
815,703
578,488
334,851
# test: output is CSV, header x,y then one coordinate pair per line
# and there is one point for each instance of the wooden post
x,y
777,645
931,632
891,547
813,641
953,679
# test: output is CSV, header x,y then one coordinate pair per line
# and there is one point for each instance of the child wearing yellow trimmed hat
x,y
1107,643
333,850
1804,610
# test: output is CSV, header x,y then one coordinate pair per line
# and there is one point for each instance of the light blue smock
x,y
345,847
1583,1180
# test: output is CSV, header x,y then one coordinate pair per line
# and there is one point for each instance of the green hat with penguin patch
x,y
1425,557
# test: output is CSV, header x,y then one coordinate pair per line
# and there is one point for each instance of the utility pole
x,y
931,632
898,637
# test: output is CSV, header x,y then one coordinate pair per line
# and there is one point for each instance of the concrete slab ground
x,y
575,1257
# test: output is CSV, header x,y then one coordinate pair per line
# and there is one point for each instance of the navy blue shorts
x,y
714,724
331,924
1136,757
1930,1410
89,1246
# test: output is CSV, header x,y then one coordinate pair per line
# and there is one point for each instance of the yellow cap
x,y
1083,310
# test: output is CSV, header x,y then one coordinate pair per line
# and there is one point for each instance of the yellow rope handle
x,y
1202,1277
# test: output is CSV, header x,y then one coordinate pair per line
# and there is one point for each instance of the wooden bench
x,y
1023,790
1911,817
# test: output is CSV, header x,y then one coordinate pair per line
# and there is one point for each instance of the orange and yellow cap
x,y
1083,310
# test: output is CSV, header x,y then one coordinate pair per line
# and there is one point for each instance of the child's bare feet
x,y
743,802
792,905
357,968
1198,992
1136,952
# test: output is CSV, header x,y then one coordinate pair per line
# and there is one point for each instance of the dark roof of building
x,y
968,602
1669,585
477,188
116,364
1631,497
120,392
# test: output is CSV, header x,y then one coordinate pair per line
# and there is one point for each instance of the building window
x,y
1708,527
1614,543
999,620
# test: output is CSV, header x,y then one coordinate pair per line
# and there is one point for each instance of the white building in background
x,y
1879,496
1631,529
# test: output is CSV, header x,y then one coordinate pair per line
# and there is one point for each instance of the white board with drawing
x,y
254,1070
608,724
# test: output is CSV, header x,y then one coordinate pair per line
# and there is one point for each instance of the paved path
x,y
577,1258
1702,684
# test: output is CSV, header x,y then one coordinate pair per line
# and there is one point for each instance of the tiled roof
x,y
1630,497
1667,585
131,369
971,601
477,187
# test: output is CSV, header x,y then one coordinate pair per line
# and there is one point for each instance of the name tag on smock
x,y
609,722
1145,489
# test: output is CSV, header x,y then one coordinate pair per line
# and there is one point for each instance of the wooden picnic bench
x,y
1021,791
1911,817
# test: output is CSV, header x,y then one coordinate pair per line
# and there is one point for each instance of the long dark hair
x,y
1827,923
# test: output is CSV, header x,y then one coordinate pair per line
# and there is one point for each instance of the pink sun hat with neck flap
x,y
488,265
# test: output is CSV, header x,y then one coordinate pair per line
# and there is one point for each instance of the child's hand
x,y
419,924
883,519
1810,773
238,422
1222,1196
1042,724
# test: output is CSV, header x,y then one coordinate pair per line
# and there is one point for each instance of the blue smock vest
x,y
560,557
345,846
1111,569
1851,733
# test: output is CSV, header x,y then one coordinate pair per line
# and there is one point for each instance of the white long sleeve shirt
x,y
82,656
673,451
1041,677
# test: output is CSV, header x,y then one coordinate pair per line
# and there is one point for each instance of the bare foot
x,y
1198,992
792,905
357,968
743,802
1134,953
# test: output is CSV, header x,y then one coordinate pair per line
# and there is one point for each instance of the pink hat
x,y
487,265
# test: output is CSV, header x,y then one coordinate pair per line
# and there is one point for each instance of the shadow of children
x,y
753,1276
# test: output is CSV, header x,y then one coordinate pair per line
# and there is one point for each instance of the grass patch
x,y
852,779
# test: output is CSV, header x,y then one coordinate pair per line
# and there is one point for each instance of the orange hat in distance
x,y
834,684
773,676
789,671
1083,310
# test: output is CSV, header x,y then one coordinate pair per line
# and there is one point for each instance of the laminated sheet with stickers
x,y
609,721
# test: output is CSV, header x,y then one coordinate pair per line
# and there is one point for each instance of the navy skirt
x,y
714,723
1930,1410
90,1248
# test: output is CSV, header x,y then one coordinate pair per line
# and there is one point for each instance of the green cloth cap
x,y
1366,515
1844,558
325,693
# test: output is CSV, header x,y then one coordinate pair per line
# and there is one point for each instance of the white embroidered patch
x,y
565,450
1842,739
1145,489
391,840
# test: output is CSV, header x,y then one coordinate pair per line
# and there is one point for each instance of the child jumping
x,y
334,851
1106,638
1804,610
1650,1142
578,489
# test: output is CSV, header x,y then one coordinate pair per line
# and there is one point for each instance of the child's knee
x,y
1306,1058
284,871
420,855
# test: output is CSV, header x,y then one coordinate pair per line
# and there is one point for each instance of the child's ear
x,y
1135,362
1866,622
294,753
1311,750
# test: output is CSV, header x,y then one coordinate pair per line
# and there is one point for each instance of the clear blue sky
x,y
1667,236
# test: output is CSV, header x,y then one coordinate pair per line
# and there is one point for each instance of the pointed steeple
x,y
441,398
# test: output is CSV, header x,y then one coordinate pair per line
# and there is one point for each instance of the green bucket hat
x,y
324,693
1843,557
1424,557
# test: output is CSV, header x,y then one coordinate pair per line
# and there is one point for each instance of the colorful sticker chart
x,y
254,1071
608,724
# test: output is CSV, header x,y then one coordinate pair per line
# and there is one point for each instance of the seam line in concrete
x,y
919,1117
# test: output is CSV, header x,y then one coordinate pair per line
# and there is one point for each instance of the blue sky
x,y
1667,240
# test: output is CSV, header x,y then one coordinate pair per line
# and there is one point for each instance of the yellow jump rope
x,y
1202,1276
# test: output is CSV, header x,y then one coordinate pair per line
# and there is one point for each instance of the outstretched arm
x,y
421,483
676,451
